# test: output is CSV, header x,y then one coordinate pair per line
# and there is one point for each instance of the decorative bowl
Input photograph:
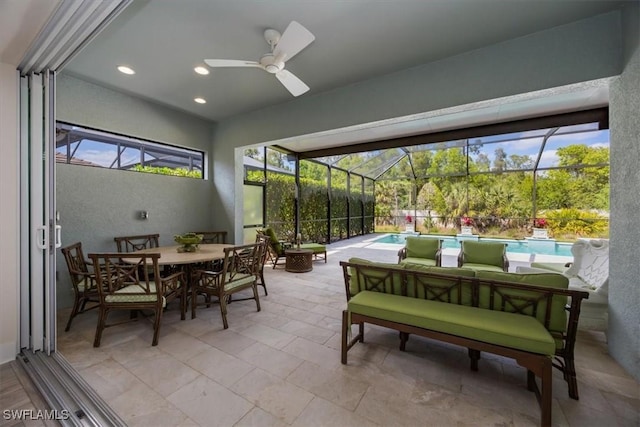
x,y
189,241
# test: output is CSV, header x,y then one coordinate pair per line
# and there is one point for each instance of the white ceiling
x,y
163,40
20,22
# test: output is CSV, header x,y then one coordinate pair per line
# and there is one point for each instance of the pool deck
x,y
450,255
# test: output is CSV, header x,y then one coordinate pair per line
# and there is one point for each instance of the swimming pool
x,y
541,247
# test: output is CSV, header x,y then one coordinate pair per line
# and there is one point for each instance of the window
x,y
89,147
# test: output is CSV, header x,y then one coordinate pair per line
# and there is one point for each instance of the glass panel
x,y
314,200
369,206
355,205
498,202
254,165
280,195
87,147
573,149
280,162
516,154
378,162
253,205
339,214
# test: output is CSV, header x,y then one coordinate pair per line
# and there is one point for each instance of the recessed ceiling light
x,y
200,100
126,70
201,70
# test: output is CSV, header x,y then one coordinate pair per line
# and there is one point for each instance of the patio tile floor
x,y
281,367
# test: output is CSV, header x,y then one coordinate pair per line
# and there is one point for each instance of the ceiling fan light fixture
x,y
200,100
126,70
201,70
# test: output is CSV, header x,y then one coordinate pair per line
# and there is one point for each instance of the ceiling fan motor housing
x,y
271,64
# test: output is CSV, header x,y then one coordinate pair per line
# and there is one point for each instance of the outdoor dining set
x,y
142,276
201,269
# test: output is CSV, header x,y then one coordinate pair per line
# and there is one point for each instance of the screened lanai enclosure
x,y
502,181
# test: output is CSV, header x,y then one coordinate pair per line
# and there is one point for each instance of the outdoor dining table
x,y
169,255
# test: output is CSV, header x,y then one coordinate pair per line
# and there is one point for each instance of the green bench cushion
x,y
558,320
439,283
317,248
495,327
377,280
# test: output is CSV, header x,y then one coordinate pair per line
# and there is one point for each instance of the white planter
x,y
410,228
540,233
466,230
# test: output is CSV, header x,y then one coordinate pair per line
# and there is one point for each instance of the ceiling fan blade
x,y
292,83
231,63
293,40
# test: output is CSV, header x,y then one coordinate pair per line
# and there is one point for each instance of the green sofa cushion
x,y
461,297
375,280
558,320
495,327
422,247
487,253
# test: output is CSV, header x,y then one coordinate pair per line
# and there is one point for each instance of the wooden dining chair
x,y
264,241
83,281
239,272
136,243
124,283
213,236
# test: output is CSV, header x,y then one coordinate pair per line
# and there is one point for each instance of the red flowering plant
x,y
409,219
539,223
466,221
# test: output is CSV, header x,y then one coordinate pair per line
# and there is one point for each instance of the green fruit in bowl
x,y
188,238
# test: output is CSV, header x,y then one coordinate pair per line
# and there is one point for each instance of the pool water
x,y
540,247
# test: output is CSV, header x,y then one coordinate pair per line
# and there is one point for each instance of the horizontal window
x,y
89,147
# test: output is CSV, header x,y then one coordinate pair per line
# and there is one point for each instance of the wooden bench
x,y
523,317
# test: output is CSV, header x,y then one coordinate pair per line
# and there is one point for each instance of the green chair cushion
x,y
422,247
488,253
317,248
134,293
239,280
558,320
482,267
495,327
418,261
273,240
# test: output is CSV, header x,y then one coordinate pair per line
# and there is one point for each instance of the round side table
x,y
298,260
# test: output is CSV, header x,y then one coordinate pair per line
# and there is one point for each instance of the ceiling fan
x,y
283,48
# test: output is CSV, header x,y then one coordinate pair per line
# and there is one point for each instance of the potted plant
x,y
466,225
409,226
540,228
